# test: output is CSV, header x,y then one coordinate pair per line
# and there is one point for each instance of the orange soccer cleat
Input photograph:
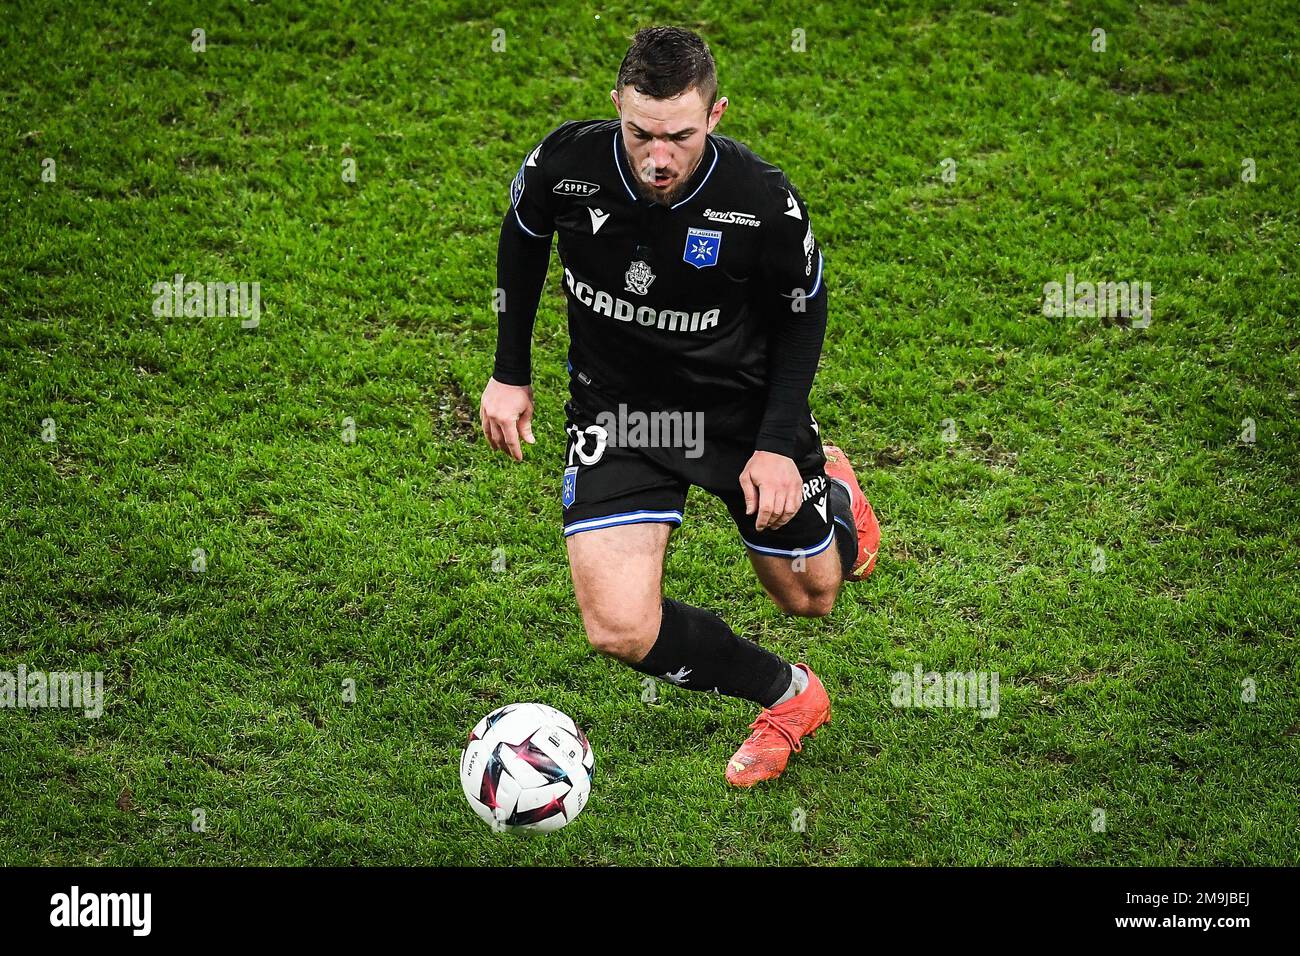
x,y
838,468
778,732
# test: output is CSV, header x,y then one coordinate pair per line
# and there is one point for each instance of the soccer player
x,y
697,310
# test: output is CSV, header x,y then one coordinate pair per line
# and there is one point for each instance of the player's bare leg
x,y
617,578
802,586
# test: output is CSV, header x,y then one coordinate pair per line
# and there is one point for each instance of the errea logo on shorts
x,y
813,486
74,909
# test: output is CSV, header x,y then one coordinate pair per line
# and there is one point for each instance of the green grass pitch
x,y
1008,453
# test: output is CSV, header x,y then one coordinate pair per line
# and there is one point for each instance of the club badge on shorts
x,y
702,247
570,486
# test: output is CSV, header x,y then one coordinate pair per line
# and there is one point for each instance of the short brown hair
x,y
664,62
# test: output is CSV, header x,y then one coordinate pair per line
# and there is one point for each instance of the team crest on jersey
x,y
702,247
639,277
570,494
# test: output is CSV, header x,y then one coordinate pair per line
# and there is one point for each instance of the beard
x,y
664,197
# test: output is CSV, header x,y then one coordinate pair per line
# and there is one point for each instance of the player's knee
x,y
817,602
820,604
623,633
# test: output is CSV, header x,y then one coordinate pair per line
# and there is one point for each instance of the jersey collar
x,y
706,166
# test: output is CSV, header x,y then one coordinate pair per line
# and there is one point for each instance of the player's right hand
x,y
506,413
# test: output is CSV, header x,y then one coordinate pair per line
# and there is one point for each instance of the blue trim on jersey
x,y
535,235
643,516
618,163
790,553
852,531
818,284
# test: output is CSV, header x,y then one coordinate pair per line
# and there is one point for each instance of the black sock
x,y
846,532
697,650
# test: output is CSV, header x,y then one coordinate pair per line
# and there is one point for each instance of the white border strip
x,y
626,517
806,552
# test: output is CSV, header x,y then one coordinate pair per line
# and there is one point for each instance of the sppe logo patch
x,y
575,187
702,247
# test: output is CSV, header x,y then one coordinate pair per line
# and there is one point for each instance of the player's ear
x,y
715,114
613,95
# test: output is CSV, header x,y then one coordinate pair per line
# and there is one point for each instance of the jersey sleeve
x,y
792,257
530,193
796,308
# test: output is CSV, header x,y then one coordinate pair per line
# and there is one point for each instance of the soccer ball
x,y
527,767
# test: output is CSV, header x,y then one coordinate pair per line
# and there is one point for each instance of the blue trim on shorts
x,y
643,516
795,552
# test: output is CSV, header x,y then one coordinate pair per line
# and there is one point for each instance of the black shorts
x,y
616,475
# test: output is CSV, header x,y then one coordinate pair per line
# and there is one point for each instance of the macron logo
x,y
597,219
103,909
792,207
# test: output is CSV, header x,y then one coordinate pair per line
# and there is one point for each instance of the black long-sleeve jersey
x,y
716,303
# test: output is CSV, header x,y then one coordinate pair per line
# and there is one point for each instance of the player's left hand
x,y
773,485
